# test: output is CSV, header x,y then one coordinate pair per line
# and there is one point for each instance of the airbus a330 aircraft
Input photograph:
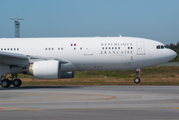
x,y
54,58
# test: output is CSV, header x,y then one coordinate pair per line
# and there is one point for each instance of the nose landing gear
x,y
137,79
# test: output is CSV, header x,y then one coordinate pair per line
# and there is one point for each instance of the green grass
x,y
130,73
99,74
163,75
120,74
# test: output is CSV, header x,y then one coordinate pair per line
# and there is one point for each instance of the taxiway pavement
x,y
90,103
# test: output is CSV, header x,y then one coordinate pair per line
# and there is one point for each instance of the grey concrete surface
x,y
90,103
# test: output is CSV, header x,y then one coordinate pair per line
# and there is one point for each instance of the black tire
x,y
5,83
137,80
17,82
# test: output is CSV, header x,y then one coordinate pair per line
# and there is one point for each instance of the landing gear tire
x,y
137,80
5,83
17,82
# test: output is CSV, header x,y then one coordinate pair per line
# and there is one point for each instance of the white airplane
x,y
54,58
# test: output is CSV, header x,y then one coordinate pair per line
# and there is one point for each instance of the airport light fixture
x,y
17,28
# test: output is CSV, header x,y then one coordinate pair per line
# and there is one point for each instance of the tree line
x,y
174,47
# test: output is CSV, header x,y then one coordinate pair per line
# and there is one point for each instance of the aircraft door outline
x,y
140,48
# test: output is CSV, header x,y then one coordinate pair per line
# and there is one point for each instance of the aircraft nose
x,y
173,54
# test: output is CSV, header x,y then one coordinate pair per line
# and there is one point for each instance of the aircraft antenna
x,y
17,26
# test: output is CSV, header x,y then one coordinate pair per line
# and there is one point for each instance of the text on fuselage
x,y
116,44
117,48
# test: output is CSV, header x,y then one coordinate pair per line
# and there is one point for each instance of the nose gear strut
x,y
137,79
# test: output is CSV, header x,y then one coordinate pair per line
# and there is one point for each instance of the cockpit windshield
x,y
158,46
161,47
165,46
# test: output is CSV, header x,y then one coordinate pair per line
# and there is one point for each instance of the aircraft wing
x,y
12,55
21,60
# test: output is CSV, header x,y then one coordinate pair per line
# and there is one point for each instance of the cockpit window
x,y
158,46
161,47
166,46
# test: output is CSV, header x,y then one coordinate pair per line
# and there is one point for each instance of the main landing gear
x,y
137,79
6,83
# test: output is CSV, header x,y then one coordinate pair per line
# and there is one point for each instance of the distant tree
x,y
176,49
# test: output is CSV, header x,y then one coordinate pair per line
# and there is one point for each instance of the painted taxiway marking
x,y
2,108
21,109
17,101
42,94
50,96
61,96
6,109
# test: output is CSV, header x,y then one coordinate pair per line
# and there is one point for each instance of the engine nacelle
x,y
70,74
50,69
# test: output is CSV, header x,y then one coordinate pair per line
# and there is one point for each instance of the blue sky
x,y
153,19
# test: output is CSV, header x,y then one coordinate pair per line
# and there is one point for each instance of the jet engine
x,y
70,74
50,69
